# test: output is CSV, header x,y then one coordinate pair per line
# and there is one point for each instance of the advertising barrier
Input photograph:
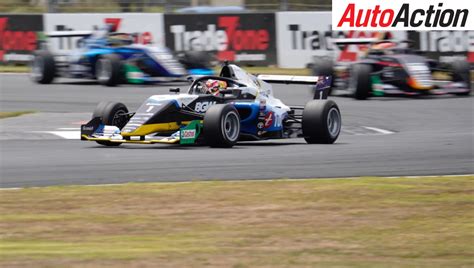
x,y
445,46
288,39
148,27
19,35
242,38
303,35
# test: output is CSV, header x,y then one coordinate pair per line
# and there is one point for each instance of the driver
x,y
215,86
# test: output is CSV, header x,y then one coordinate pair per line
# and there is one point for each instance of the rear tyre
x,y
221,126
111,113
323,68
321,122
360,84
108,70
461,73
43,67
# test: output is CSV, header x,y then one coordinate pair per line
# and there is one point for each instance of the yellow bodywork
x,y
153,128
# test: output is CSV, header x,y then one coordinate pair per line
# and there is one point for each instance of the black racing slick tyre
x,y
321,122
221,126
323,67
108,70
112,114
43,67
461,73
360,84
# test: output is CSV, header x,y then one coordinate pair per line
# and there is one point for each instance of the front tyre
x,y
43,67
221,126
321,122
112,114
108,70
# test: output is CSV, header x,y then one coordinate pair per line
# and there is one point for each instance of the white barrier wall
x,y
148,26
302,35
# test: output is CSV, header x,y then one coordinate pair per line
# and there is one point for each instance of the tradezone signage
x,y
242,38
419,15
19,36
147,28
301,36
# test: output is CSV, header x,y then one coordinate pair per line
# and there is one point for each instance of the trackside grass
x,y
13,114
14,69
367,222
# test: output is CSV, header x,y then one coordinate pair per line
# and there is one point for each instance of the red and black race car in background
x,y
393,68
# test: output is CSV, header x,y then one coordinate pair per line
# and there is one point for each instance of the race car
x,y
218,111
392,68
113,58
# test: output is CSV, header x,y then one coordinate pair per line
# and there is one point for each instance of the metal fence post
x,y
52,6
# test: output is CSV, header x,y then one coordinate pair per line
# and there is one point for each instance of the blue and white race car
x,y
113,58
219,111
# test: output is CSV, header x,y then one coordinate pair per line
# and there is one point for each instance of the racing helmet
x,y
213,86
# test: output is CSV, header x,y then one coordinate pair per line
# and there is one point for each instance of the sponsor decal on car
x,y
268,120
201,107
188,134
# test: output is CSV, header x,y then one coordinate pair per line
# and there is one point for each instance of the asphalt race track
x,y
383,137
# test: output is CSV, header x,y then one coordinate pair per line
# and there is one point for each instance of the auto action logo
x,y
420,15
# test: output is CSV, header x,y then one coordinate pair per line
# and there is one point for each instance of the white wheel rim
x,y
334,122
118,119
231,126
37,68
103,70
352,82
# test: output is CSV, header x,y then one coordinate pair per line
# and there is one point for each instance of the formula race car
x,y
113,58
392,67
218,111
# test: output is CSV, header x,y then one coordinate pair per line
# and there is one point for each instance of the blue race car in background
x,y
112,58
241,108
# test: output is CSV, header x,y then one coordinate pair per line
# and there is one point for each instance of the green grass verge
x,y
14,69
13,114
368,222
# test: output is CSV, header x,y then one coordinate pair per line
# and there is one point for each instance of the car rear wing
x,y
57,34
291,79
321,84
355,41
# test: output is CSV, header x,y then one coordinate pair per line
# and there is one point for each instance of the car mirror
x,y
175,90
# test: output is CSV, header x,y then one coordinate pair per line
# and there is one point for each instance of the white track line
x,y
68,135
73,133
65,134
379,130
